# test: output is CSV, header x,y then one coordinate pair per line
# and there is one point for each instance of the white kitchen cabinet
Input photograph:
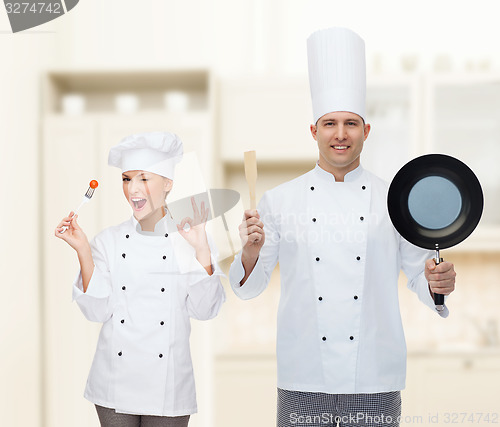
x,y
393,111
273,116
193,128
245,387
75,149
69,155
269,115
441,389
410,115
463,120
446,388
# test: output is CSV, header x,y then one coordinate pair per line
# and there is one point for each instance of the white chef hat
x,y
337,71
156,152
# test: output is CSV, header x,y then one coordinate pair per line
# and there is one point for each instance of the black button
x,y
324,338
164,257
317,258
160,355
127,236
351,337
312,188
122,321
363,187
124,255
123,288
162,323
362,218
166,234
320,298
119,353
355,297
162,289
314,219
358,258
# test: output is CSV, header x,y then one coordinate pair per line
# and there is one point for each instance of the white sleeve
x,y
413,265
259,278
95,303
205,292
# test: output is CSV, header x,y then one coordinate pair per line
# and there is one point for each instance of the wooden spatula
x,y
251,175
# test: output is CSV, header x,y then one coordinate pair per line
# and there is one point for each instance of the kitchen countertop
x,y
455,350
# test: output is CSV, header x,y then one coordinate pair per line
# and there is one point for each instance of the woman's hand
x,y
74,235
196,235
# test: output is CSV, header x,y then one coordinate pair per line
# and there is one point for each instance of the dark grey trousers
x,y
110,418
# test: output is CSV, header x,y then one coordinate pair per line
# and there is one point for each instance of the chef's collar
x,y
161,227
349,176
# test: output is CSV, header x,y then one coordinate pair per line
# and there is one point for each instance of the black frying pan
x,y
435,201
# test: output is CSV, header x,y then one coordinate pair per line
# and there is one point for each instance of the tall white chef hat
x,y
337,71
156,152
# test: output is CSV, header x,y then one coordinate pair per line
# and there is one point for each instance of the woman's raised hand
x,y
196,235
74,235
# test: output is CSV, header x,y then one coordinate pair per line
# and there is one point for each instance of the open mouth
x,y
138,203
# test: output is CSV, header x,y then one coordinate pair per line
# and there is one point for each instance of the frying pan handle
x,y
438,298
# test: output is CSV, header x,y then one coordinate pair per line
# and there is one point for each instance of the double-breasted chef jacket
x,y
144,289
339,324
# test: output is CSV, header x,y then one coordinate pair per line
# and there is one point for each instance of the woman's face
x,y
145,191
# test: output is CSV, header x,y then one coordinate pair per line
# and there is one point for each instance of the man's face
x,y
340,136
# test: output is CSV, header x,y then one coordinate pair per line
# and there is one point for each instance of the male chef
x,y
340,345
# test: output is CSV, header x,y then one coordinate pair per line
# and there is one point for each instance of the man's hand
x,y
252,233
441,277
252,238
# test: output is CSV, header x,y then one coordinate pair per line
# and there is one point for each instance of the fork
x,y
86,198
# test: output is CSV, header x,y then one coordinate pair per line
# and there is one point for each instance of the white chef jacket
x,y
144,288
339,324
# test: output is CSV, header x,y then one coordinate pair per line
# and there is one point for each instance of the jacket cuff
x,y
94,290
427,297
198,274
253,285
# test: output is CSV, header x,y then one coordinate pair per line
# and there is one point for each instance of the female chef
x,y
143,279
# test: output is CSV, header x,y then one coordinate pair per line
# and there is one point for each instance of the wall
x,y
234,38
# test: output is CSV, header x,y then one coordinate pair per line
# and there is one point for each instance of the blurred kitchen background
x,y
229,76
